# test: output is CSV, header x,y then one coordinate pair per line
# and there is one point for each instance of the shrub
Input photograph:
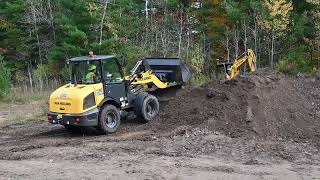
x,y
4,78
295,62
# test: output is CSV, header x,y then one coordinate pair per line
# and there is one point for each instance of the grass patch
x,y
30,116
22,97
13,112
19,105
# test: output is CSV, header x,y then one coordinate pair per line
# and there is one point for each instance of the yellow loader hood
x,y
71,99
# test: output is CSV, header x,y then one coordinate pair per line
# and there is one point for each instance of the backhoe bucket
x,y
171,70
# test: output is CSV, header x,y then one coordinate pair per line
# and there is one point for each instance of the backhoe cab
x,y
99,92
97,95
247,62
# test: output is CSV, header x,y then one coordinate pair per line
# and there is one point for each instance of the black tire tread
x,y
101,125
141,115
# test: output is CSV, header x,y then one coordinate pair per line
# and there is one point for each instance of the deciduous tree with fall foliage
x,y
38,35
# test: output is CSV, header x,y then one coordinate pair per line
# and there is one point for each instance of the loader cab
x,y
108,72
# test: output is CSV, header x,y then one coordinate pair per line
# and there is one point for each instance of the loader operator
x,y
228,71
91,76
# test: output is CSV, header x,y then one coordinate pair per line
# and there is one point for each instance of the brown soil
x,y
266,104
265,126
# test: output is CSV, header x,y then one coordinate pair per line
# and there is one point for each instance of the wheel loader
x,y
99,94
246,62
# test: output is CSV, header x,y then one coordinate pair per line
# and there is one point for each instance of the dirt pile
x,y
265,104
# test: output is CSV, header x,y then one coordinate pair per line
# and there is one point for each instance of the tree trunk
x,y
25,87
41,83
156,44
51,19
188,43
30,76
259,54
102,20
205,55
236,43
35,27
164,44
255,37
228,50
164,35
146,9
245,35
147,24
180,34
272,51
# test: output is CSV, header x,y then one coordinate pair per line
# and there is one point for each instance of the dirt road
x,y
216,137
36,150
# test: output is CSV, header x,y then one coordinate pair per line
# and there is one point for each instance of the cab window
x,y
86,72
112,72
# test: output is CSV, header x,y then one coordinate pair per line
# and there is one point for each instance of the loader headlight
x,y
89,101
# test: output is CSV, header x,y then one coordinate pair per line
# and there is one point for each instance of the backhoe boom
x,y
248,60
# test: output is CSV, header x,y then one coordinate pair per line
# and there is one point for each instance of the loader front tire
x,y
109,119
148,108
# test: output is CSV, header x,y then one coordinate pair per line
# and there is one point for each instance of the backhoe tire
x,y
109,119
147,108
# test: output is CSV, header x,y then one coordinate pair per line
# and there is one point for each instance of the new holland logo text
x,y
64,95
146,78
63,103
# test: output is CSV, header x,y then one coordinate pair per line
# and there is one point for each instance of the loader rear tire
x,y
148,108
109,119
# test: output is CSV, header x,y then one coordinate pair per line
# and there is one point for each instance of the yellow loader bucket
x,y
170,70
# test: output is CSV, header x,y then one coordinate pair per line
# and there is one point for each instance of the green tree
x,y
276,21
211,26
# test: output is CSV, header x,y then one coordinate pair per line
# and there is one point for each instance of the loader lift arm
x,y
159,73
248,60
145,77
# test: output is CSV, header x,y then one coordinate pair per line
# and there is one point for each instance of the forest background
x,y
37,36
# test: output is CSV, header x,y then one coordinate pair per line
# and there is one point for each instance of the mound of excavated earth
x,y
265,104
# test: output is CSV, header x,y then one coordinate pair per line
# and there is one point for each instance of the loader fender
x,y
138,102
108,101
146,107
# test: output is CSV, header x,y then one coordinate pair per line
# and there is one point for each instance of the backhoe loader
x,y
99,94
247,61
